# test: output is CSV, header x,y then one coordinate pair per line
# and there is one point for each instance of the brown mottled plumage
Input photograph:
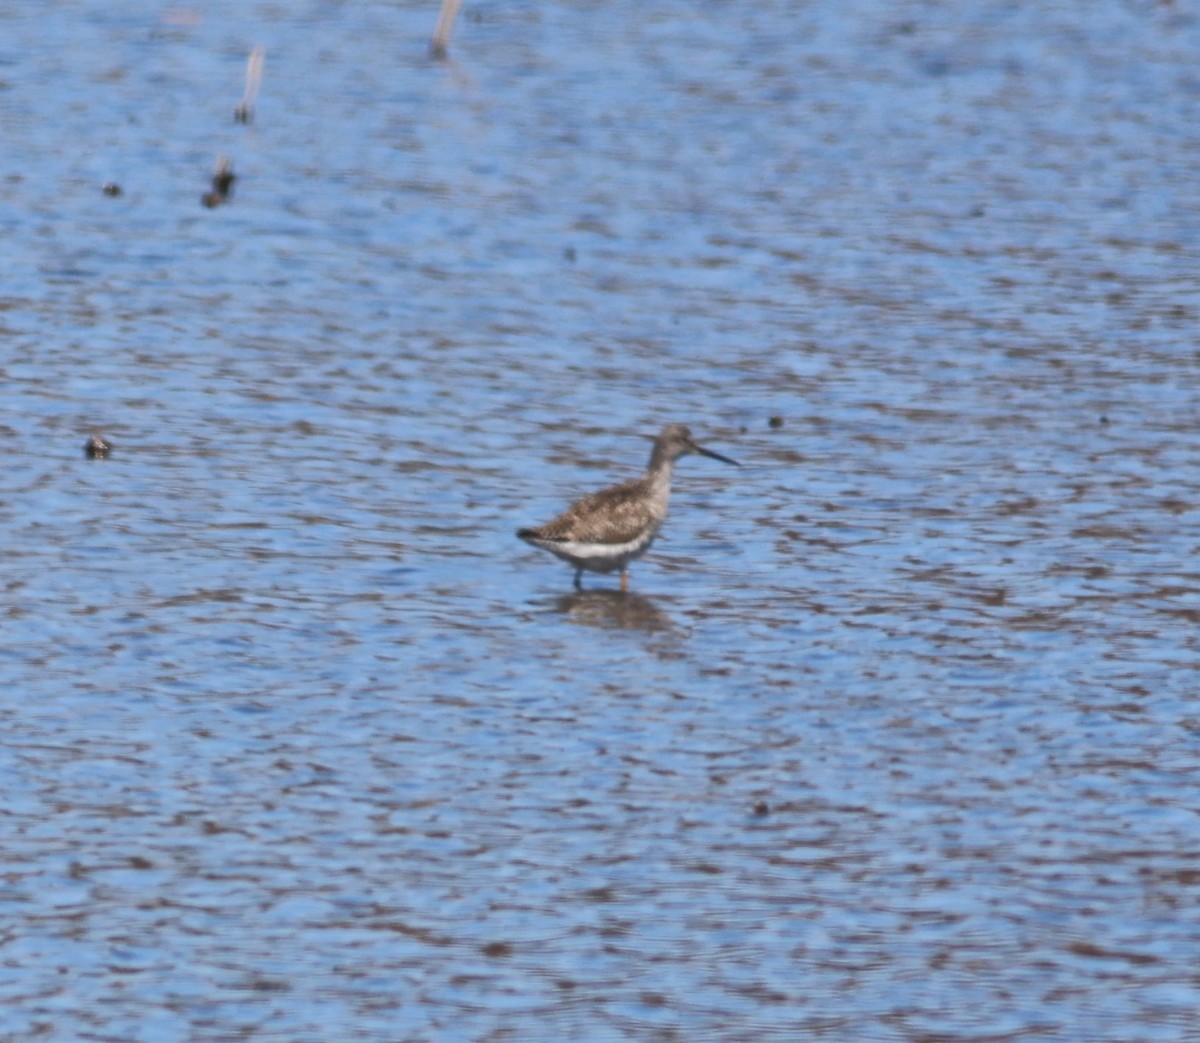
x,y
605,531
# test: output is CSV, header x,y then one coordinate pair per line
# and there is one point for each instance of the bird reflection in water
x,y
614,610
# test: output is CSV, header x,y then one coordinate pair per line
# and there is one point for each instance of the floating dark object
x,y
224,178
776,422
762,808
222,184
112,189
95,448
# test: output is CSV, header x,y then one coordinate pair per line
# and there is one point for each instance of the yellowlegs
x,y
607,530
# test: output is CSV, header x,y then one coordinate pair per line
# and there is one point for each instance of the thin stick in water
x,y
244,113
445,26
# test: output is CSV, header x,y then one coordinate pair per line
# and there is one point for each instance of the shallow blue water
x,y
894,736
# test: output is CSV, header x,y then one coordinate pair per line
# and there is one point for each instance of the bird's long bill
x,y
716,456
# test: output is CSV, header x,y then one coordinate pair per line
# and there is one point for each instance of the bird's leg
x,y
578,574
624,581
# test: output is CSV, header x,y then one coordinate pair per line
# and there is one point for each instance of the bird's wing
x,y
614,516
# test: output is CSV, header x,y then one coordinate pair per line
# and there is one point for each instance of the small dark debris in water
x,y
112,190
495,949
762,809
224,177
776,422
1103,419
222,184
95,448
242,114
569,254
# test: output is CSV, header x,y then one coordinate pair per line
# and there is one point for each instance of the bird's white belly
x,y
601,557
